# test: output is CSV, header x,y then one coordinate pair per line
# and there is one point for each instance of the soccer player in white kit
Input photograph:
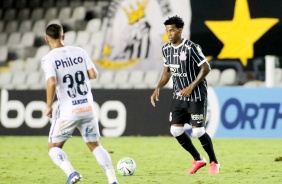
x,y
68,71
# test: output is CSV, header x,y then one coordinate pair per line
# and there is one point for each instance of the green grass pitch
x,y
159,160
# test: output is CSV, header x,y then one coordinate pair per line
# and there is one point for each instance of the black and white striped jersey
x,y
184,62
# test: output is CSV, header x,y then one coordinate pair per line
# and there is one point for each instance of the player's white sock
x,y
104,159
60,158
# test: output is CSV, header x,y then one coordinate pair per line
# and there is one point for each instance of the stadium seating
x,y
3,39
17,65
25,26
1,26
93,25
12,26
51,13
10,14
16,79
20,3
33,3
4,54
134,77
22,44
23,14
70,38
39,27
48,3
151,78
104,80
32,79
7,4
37,14
228,77
254,83
82,38
13,39
278,75
5,79
213,77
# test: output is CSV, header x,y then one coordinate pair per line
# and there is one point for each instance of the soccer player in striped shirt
x,y
68,71
187,65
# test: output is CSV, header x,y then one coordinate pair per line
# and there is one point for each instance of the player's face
x,y
174,33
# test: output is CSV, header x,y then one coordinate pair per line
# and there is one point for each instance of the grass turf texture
x,y
159,160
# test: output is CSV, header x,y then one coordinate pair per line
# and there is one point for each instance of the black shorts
x,y
193,113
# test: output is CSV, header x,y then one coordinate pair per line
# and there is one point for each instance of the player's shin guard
x,y
60,158
104,159
208,147
185,141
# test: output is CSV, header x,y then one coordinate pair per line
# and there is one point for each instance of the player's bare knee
x,y
176,130
198,132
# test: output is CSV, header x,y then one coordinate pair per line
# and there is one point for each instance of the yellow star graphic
x,y
240,34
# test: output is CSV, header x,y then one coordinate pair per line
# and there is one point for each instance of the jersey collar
x,y
184,39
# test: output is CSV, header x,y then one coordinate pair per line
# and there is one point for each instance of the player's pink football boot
x,y
197,164
214,168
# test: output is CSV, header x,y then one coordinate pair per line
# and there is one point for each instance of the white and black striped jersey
x,y
184,62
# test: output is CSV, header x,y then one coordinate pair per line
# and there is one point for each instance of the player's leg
x,y
198,131
90,133
55,145
178,118
177,130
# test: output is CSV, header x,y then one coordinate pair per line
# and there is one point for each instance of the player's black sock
x,y
208,146
185,141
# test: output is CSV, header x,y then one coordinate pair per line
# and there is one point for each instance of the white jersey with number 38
x,y
69,66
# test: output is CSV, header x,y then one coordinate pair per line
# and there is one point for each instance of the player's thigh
x,y
197,111
61,130
89,130
179,114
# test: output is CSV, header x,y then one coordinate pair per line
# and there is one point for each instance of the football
x,y
126,166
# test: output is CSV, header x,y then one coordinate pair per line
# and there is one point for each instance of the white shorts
x,y
61,130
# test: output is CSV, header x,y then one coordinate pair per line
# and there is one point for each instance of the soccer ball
x,y
126,166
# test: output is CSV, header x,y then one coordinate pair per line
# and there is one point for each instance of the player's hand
x,y
186,91
48,112
155,96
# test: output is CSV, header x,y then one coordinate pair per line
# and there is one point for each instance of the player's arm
x,y
50,95
164,78
163,81
91,69
204,70
92,73
201,61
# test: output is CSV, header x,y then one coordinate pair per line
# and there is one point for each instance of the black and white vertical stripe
x,y
184,62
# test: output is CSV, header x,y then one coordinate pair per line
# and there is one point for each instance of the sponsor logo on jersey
x,y
197,117
81,110
68,62
174,72
182,56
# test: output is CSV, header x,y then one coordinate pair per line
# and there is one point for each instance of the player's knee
x,y
176,130
198,132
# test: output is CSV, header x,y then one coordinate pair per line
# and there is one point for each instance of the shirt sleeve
x,y
164,58
197,55
89,62
48,69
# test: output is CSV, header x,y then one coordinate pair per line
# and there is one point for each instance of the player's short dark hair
x,y
175,20
55,31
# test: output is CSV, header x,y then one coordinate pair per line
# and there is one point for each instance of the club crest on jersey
x,y
183,56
